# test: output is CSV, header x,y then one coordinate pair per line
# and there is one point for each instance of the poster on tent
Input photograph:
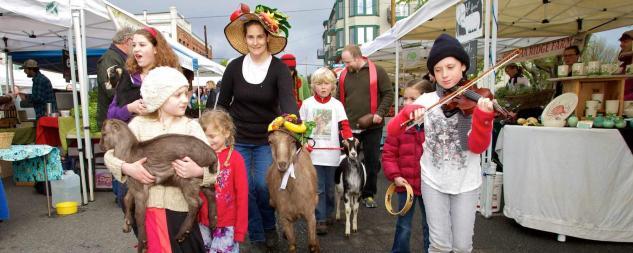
x,y
471,50
468,17
411,57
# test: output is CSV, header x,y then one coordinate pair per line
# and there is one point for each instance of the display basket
x,y
5,139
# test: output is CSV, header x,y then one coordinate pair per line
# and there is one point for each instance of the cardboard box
x,y
6,170
103,179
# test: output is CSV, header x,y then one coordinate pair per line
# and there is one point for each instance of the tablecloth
x,y
575,182
47,131
23,135
28,161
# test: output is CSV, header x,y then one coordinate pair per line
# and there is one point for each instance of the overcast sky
x,y
306,19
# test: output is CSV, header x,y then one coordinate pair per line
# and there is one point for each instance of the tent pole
x,y
83,71
396,93
198,91
6,68
486,190
73,79
10,69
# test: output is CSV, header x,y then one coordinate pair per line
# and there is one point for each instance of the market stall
x,y
501,19
30,25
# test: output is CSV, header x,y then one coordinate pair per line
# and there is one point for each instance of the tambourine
x,y
407,205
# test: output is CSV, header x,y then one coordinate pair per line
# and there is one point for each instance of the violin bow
x,y
470,83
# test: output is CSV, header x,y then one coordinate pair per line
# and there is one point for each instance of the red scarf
x,y
373,86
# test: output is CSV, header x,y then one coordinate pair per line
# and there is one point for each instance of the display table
x,y
612,86
34,163
569,181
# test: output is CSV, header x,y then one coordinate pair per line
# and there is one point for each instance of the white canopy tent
x,y
203,66
30,25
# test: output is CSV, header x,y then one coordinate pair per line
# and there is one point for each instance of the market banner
x,y
122,19
468,16
547,49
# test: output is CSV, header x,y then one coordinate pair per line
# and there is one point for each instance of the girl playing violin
x,y
451,171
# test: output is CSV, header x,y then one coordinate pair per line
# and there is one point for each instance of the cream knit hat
x,y
159,84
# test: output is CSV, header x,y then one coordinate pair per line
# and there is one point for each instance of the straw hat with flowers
x,y
274,21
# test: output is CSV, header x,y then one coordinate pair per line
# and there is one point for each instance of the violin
x,y
467,101
465,96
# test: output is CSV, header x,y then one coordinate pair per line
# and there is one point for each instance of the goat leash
x,y
407,204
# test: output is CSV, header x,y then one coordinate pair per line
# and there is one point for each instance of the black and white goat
x,y
349,179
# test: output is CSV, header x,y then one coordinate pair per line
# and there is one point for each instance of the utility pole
x,y
393,13
206,45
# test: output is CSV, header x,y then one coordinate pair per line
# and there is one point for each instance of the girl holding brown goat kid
x,y
164,93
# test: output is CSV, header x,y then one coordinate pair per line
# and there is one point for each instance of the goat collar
x,y
290,172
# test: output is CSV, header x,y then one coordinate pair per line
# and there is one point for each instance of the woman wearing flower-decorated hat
x,y
256,88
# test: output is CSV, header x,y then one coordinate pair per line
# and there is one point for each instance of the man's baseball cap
x,y
30,63
626,35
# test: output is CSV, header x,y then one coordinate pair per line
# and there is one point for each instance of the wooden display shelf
x,y
612,86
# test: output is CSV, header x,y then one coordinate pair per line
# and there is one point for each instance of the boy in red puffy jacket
x,y
401,163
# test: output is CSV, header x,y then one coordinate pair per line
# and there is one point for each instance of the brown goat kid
x,y
160,151
299,198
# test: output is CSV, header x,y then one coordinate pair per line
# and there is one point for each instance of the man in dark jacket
x,y
115,57
42,90
361,97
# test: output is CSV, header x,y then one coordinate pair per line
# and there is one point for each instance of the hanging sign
x,y
194,64
468,16
411,57
547,49
471,50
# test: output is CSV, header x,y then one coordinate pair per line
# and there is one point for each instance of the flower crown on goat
x,y
300,130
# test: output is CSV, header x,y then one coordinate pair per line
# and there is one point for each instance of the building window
x,y
364,8
340,38
402,10
340,9
362,34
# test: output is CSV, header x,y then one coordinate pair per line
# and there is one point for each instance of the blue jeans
x,y
403,225
261,216
325,207
119,191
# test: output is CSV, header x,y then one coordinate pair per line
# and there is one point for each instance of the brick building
x,y
171,23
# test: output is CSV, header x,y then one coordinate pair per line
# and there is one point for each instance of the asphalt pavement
x,y
97,228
